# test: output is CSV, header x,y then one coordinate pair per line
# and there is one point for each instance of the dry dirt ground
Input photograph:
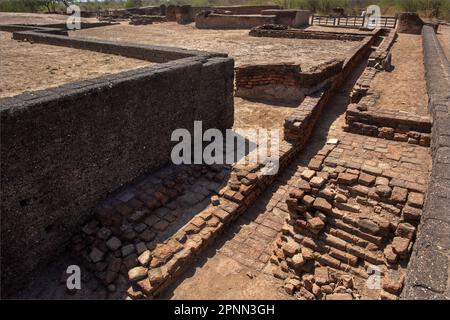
x,y
28,67
35,18
253,114
409,72
237,43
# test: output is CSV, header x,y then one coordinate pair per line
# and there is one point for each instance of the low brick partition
x,y
210,20
299,125
285,82
143,19
378,60
148,11
276,32
157,54
162,265
409,22
151,267
56,28
380,57
364,118
66,148
428,269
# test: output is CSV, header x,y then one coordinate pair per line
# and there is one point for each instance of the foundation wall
x,y
66,148
284,81
204,20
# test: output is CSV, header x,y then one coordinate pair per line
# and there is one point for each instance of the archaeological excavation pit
x,y
87,174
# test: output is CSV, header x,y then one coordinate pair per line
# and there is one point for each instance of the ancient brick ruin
x,y
362,186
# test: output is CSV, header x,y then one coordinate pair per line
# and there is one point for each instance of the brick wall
x,y
66,148
283,81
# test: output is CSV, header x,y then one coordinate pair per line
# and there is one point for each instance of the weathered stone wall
x,y
293,18
428,269
171,12
66,148
283,81
365,118
207,20
409,22
299,125
183,14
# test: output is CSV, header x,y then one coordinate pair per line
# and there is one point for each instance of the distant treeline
x,y
426,8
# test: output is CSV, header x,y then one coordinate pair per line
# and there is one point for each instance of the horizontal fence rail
x,y
352,21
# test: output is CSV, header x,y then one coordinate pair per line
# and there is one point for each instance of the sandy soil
x,y
221,277
35,18
404,89
237,43
444,38
28,67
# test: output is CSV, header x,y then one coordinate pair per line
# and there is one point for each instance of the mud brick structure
x,y
365,117
60,29
285,82
153,266
54,173
292,18
277,31
409,22
256,9
143,19
428,276
171,12
148,11
299,125
121,14
211,20
329,224
353,192
379,60
185,14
